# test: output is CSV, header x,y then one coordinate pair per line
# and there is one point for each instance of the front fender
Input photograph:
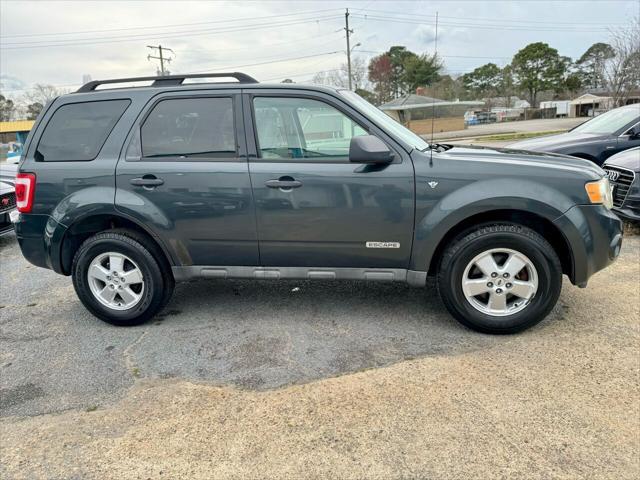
x,y
482,197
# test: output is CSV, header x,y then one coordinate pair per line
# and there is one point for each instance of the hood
x,y
628,159
551,143
526,158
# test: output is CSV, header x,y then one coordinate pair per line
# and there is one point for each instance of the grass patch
x,y
517,136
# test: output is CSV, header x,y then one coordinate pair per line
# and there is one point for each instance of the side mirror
x,y
369,149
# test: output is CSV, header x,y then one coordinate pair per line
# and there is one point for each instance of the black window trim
x,y
36,151
309,96
137,129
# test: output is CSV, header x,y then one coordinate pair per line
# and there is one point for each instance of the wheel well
x,y
537,223
87,227
584,156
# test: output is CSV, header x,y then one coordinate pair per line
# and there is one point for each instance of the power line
x,y
544,22
184,34
478,25
309,12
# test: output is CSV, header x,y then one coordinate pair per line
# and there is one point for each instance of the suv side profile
x,y
129,190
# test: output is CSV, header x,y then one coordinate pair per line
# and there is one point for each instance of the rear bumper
x,y
39,238
595,236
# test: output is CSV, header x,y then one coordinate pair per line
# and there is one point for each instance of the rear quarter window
x,y
77,131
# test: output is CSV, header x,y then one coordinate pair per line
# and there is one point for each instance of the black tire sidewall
x,y
549,283
153,281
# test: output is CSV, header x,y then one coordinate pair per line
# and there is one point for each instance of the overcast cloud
x,y
39,40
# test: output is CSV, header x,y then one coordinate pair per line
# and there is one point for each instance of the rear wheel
x,y
118,279
500,278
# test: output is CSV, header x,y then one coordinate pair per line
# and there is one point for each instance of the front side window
x,y
190,128
294,128
77,131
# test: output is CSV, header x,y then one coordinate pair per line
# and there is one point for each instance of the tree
x,y
592,63
420,70
380,75
484,81
7,109
42,94
622,71
340,77
399,57
33,110
447,88
536,68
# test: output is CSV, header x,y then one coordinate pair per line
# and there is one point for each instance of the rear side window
x,y
77,131
190,128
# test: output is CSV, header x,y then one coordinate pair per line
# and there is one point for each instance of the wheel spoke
x,y
487,264
128,295
497,302
107,294
473,287
116,263
522,289
132,277
99,273
513,265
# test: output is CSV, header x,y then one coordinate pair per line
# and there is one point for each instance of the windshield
x,y
610,122
385,121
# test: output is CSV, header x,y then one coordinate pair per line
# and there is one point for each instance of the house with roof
x,y
420,113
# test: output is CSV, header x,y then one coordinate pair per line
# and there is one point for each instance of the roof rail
x,y
167,80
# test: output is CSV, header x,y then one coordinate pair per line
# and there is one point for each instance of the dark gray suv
x,y
131,189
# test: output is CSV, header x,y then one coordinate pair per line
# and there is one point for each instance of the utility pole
x,y
349,32
160,57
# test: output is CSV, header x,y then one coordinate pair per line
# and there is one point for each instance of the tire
x,y
540,279
148,296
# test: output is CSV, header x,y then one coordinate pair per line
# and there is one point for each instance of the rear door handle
x,y
147,181
285,184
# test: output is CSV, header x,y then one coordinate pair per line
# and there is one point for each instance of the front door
x,y
185,176
314,207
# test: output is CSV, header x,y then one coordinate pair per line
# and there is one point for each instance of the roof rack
x,y
167,80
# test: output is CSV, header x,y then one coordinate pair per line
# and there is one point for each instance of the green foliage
x,y
420,71
536,68
33,110
7,109
483,81
400,71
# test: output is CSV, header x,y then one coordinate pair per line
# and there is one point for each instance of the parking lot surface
x,y
242,379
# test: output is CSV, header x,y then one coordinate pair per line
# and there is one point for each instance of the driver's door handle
x,y
280,183
147,181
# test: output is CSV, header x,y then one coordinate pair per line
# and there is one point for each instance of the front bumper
x,y
594,234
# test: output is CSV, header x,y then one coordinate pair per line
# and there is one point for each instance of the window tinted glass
x,y
77,131
190,127
302,128
611,121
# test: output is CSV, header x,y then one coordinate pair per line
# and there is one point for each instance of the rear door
x,y
328,212
184,174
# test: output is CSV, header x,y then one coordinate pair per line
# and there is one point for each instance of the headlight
x,y
600,192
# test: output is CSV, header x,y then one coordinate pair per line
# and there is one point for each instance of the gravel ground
x,y
313,380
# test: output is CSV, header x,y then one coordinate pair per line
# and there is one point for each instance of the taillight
x,y
25,187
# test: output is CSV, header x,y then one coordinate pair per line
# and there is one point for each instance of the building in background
x,y
416,112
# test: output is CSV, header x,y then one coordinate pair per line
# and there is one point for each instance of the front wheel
x,y
500,278
118,279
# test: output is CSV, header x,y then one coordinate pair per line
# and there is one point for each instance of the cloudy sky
x,y
59,42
